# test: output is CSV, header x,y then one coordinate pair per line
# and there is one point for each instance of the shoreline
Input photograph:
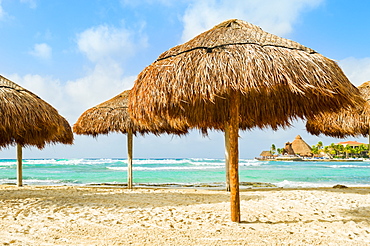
x,y
77,215
201,186
299,159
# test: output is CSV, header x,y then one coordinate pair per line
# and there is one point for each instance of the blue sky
x,y
76,54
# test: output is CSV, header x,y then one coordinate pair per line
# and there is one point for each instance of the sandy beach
x,y
72,215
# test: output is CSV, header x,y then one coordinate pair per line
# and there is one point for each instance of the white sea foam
x,y
192,161
295,184
38,182
347,166
163,161
8,163
164,168
71,161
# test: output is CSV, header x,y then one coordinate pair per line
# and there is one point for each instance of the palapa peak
x,y
235,23
298,137
233,32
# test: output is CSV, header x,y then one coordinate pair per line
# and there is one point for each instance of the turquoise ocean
x,y
185,172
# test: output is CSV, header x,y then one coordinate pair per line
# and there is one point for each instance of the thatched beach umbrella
x,y
237,76
353,121
266,154
300,147
27,120
112,116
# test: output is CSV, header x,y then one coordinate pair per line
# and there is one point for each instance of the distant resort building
x,y
298,149
353,144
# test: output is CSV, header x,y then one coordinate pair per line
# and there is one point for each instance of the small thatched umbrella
x,y
112,116
27,120
266,154
238,76
300,147
354,121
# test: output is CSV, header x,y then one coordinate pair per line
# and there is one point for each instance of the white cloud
x,y
273,16
107,48
102,83
74,97
106,42
357,70
42,51
47,88
3,14
104,46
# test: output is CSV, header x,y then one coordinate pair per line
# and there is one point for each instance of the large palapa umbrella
x,y
237,76
27,120
112,116
353,121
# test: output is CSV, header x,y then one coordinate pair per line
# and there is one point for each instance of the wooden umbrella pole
x,y
19,166
368,146
227,151
234,156
129,158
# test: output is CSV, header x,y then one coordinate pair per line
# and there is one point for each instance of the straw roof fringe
x,y
190,84
27,120
112,116
354,121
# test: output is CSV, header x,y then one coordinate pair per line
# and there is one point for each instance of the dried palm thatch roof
x,y
301,147
266,153
288,149
112,116
192,83
354,121
27,120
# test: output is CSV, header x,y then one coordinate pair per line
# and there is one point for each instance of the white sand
x,y
113,216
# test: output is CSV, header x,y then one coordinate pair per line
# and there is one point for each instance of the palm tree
x,y
361,150
333,149
319,145
327,150
280,150
315,150
339,149
348,150
273,149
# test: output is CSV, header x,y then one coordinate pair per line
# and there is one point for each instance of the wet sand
x,y
75,215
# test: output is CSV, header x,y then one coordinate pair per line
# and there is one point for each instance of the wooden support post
x,y
19,166
234,156
129,158
227,153
368,146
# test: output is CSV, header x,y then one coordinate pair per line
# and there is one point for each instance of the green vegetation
x,y
340,151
